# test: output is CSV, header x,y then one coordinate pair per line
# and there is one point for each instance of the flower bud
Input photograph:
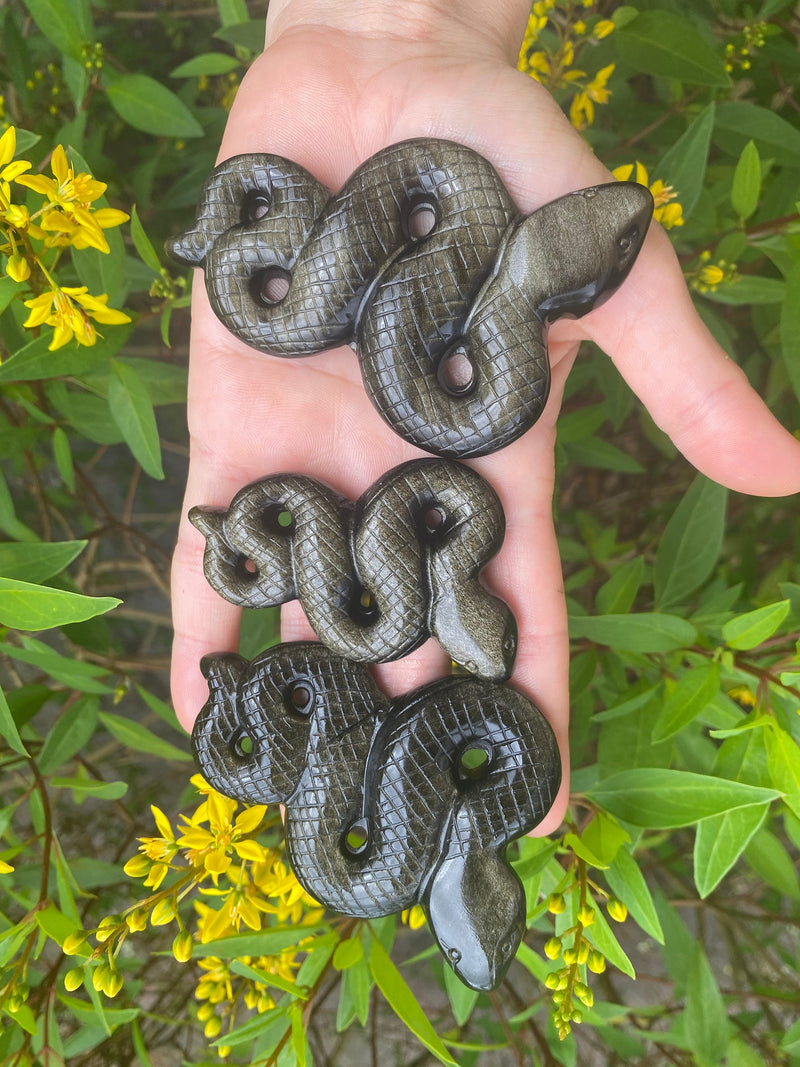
x,y
213,1026
577,1016
163,912
552,948
182,947
205,1012
73,979
597,962
583,953
100,976
13,1004
74,943
570,956
586,915
108,927
18,268
584,994
551,980
556,903
558,997
617,910
113,983
223,1051
137,866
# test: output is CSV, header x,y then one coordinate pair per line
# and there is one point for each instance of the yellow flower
x,y
603,28
415,917
5,868
667,213
10,169
18,268
71,219
68,310
212,848
581,111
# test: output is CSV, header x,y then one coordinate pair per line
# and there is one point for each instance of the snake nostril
x,y
246,569
255,205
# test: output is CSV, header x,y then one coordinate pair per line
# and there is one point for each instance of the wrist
x,y
472,24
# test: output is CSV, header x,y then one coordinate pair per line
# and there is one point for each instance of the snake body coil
x,y
423,263
388,803
376,577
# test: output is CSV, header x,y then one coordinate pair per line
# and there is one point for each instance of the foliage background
x,y
684,605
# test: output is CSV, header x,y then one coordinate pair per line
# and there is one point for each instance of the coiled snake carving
x,y
425,266
388,803
375,577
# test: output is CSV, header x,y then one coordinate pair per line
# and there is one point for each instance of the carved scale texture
x,y
484,281
411,549
350,756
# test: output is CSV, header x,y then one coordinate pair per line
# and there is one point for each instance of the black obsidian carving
x,y
388,803
425,266
376,577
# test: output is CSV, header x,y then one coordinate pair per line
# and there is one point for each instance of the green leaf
x,y
140,739
604,836
55,924
62,454
791,1039
143,244
595,452
132,410
354,996
8,728
462,998
691,543
269,1027
790,327
37,561
266,942
35,362
25,606
249,35
719,842
149,106
748,289
660,798
57,21
163,710
207,63
91,787
746,188
605,941
754,627
628,883
662,43
643,632
706,1019
684,164
695,689
268,979
74,673
778,139
769,859
74,727
403,1002
583,851
783,764
617,595
232,12
348,953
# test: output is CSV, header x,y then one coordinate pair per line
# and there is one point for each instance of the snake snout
x,y
189,248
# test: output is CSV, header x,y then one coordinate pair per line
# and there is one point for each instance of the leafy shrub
x,y
684,604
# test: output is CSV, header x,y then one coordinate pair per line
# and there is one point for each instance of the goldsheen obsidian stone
x,y
423,264
375,577
388,803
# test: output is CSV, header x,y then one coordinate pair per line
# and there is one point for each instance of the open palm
x,y
328,96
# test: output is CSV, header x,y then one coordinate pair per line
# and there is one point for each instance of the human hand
x,y
334,86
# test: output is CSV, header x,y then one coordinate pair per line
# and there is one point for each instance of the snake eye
x,y
255,205
454,955
419,216
627,240
299,698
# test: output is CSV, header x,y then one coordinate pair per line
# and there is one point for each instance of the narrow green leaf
x,y
691,543
791,1039
149,106
748,289
299,1045
232,12
132,410
776,138
754,627
143,244
605,837
400,998
249,35
720,841
207,64
348,953
74,727
684,164
660,42
617,595
783,764
627,882
269,1027
769,859
266,942
25,606
140,739
595,452
55,924
35,362
268,979
462,998
601,935
37,561
164,711
660,798
73,673
91,787
695,689
643,632
57,21
62,454
705,1015
8,728
746,188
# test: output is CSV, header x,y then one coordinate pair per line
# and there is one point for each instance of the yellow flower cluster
x,y
32,240
738,52
667,209
554,64
707,275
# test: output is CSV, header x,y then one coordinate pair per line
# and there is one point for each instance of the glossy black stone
x,y
377,577
388,803
421,262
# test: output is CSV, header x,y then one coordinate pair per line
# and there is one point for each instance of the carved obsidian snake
x,y
388,803
425,266
376,577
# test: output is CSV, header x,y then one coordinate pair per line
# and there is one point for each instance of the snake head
x,y
575,252
475,905
478,632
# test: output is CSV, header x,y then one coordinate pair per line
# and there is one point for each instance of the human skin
x,y
336,83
